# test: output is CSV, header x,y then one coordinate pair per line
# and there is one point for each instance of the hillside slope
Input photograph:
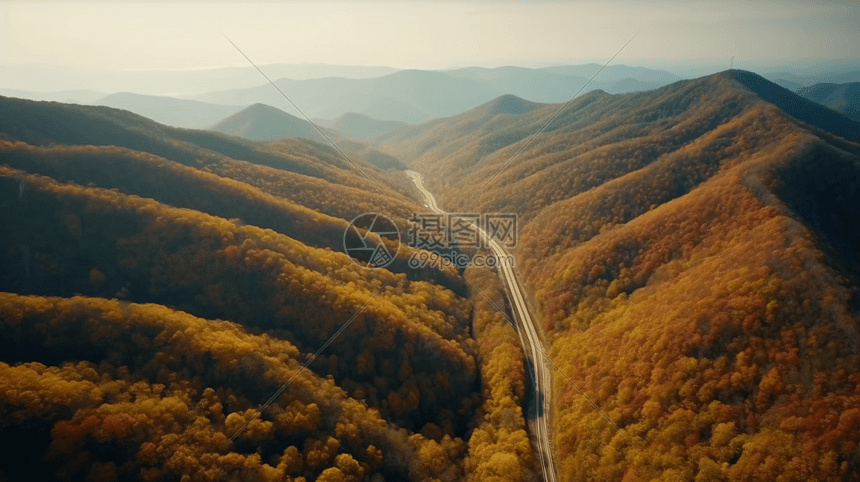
x,y
797,106
596,138
159,285
306,172
693,254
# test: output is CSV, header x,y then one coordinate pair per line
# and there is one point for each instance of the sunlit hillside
x,y
693,254
159,285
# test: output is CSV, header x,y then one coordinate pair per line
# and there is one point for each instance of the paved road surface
x,y
532,345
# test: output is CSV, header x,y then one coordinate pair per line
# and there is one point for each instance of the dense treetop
x,y
694,256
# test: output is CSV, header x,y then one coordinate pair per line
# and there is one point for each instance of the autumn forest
x,y
691,255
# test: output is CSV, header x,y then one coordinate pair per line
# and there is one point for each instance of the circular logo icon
x,y
365,240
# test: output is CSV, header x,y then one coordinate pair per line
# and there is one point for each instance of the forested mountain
x,y
261,122
843,98
694,256
265,123
596,138
446,136
158,285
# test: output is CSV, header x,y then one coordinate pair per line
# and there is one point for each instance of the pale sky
x,y
426,34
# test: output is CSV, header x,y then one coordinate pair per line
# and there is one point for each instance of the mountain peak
x,y
509,104
264,108
261,122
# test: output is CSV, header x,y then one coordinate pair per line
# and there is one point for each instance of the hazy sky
x,y
426,34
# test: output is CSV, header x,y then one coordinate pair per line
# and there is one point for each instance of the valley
x,y
684,305
531,344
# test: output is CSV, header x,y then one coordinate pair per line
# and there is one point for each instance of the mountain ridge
x,y
188,114
797,106
691,252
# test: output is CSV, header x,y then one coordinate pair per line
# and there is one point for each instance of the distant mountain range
x,y
49,78
80,96
330,91
457,134
414,96
189,114
843,98
794,81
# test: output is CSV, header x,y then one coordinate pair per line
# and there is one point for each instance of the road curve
x,y
531,342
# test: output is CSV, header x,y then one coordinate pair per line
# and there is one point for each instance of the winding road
x,y
531,342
